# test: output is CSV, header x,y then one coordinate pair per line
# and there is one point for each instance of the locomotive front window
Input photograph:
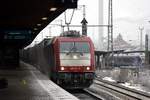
x,y
75,54
82,47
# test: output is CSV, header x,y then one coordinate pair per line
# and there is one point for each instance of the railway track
x,y
84,94
121,92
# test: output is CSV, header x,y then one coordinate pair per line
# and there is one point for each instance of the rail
x,y
124,90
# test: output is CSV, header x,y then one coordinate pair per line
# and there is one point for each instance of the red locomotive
x,y
68,59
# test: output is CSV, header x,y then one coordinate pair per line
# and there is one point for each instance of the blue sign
x,y
17,34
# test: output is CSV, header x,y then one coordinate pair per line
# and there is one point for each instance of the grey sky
x,y
128,16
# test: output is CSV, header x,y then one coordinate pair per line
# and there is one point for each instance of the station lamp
x,y
53,9
35,29
44,18
38,24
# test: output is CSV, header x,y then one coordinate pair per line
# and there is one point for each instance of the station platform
x,y
27,83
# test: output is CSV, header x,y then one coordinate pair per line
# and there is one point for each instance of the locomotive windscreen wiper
x,y
74,49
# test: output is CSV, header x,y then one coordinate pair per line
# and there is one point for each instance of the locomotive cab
x,y
75,57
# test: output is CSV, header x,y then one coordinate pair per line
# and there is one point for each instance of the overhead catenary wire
x,y
68,23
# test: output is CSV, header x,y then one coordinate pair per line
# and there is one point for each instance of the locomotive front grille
x,y
76,80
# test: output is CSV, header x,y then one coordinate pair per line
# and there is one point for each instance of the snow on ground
x,y
126,84
134,86
140,82
109,79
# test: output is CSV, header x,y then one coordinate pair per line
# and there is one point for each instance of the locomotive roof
x,y
82,38
49,41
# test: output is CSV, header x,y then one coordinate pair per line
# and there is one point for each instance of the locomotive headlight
x,y
87,68
62,68
75,57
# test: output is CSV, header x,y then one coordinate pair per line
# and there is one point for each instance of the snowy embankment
x,y
140,82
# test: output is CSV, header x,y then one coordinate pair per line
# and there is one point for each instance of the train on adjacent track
x,y
119,61
68,59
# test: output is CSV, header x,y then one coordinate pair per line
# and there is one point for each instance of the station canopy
x,y
32,15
